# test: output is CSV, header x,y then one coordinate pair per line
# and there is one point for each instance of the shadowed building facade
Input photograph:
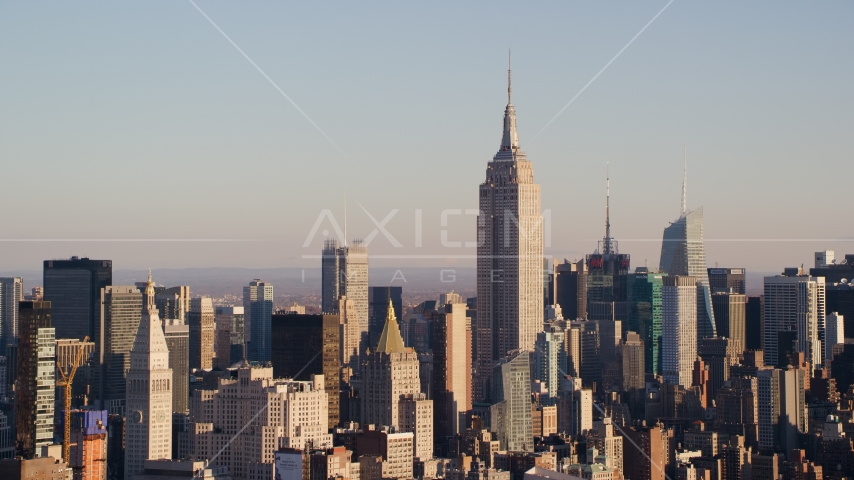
x,y
731,317
34,402
571,289
74,289
307,345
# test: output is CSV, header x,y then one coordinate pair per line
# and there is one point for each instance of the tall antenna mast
x,y
509,80
345,219
684,182
606,247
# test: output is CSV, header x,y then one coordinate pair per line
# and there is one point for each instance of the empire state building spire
x,y
510,139
509,257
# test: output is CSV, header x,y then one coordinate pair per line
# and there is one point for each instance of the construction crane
x,y
66,382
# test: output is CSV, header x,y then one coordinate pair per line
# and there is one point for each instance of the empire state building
x,y
509,257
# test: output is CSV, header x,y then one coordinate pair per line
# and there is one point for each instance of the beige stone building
x,y
202,331
509,257
395,450
148,427
277,412
416,416
390,371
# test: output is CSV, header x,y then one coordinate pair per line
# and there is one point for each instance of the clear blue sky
x,y
128,120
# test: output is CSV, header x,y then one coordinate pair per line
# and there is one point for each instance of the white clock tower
x,y
148,420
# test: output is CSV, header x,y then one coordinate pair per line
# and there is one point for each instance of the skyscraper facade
x,y
782,408
571,288
679,328
148,428
307,345
633,362
200,319
177,337
589,343
511,410
34,400
74,289
345,274
728,280
718,354
229,335
451,370
509,256
389,371
840,299
606,276
258,309
550,359
794,304
121,311
753,323
645,314
683,253
173,303
350,334
219,416
11,293
834,333
730,317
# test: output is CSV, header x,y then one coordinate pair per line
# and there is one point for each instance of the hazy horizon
x,y
138,133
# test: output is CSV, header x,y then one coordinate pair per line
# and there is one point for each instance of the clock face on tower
x,y
161,417
137,416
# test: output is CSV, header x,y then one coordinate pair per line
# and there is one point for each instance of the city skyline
x,y
320,156
654,99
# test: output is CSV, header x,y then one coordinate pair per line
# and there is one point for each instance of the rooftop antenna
x,y
684,182
509,80
606,248
345,219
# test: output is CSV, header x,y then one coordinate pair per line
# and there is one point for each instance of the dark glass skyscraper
x,y
645,314
305,345
753,323
727,280
73,287
840,299
34,400
571,289
730,318
257,308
